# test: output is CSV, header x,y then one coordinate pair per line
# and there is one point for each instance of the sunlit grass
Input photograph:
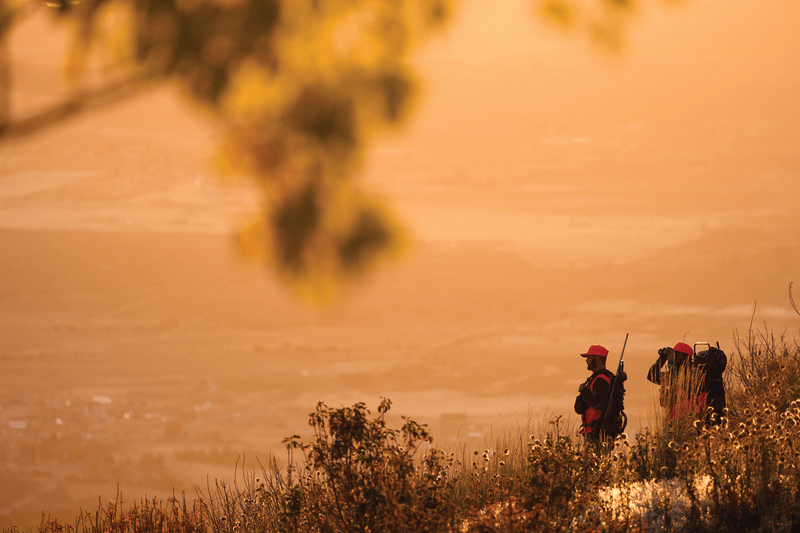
x,y
741,472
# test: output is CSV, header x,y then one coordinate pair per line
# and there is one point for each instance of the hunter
x,y
593,395
681,393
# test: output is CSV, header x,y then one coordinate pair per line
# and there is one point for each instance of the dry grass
x,y
358,474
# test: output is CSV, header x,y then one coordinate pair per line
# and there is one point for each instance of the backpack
x,y
712,362
615,419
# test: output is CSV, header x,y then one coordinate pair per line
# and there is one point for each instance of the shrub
x,y
766,370
359,475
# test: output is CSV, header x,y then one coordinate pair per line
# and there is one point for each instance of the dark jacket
x,y
592,399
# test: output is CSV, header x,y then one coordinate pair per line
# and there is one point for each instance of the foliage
x,y
145,516
358,474
765,371
301,86
605,21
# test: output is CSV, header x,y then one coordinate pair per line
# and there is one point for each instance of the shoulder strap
x,y
606,376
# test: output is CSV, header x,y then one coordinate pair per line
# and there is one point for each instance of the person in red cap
x,y
593,395
680,388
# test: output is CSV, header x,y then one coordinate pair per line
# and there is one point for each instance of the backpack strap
x,y
603,376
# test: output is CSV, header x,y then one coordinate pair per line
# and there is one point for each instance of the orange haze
x,y
558,196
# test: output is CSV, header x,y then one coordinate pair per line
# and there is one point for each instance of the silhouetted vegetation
x,y
358,474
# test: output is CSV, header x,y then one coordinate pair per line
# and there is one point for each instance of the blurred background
x,y
555,194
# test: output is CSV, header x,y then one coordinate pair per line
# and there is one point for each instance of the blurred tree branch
x,y
111,94
302,86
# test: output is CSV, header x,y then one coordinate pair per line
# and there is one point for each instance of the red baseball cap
x,y
683,348
596,349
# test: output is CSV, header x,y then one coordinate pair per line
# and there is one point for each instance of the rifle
x,y
620,368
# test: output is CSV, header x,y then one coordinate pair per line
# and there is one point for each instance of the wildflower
x,y
747,412
506,452
474,464
502,463
476,452
663,470
697,424
532,437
